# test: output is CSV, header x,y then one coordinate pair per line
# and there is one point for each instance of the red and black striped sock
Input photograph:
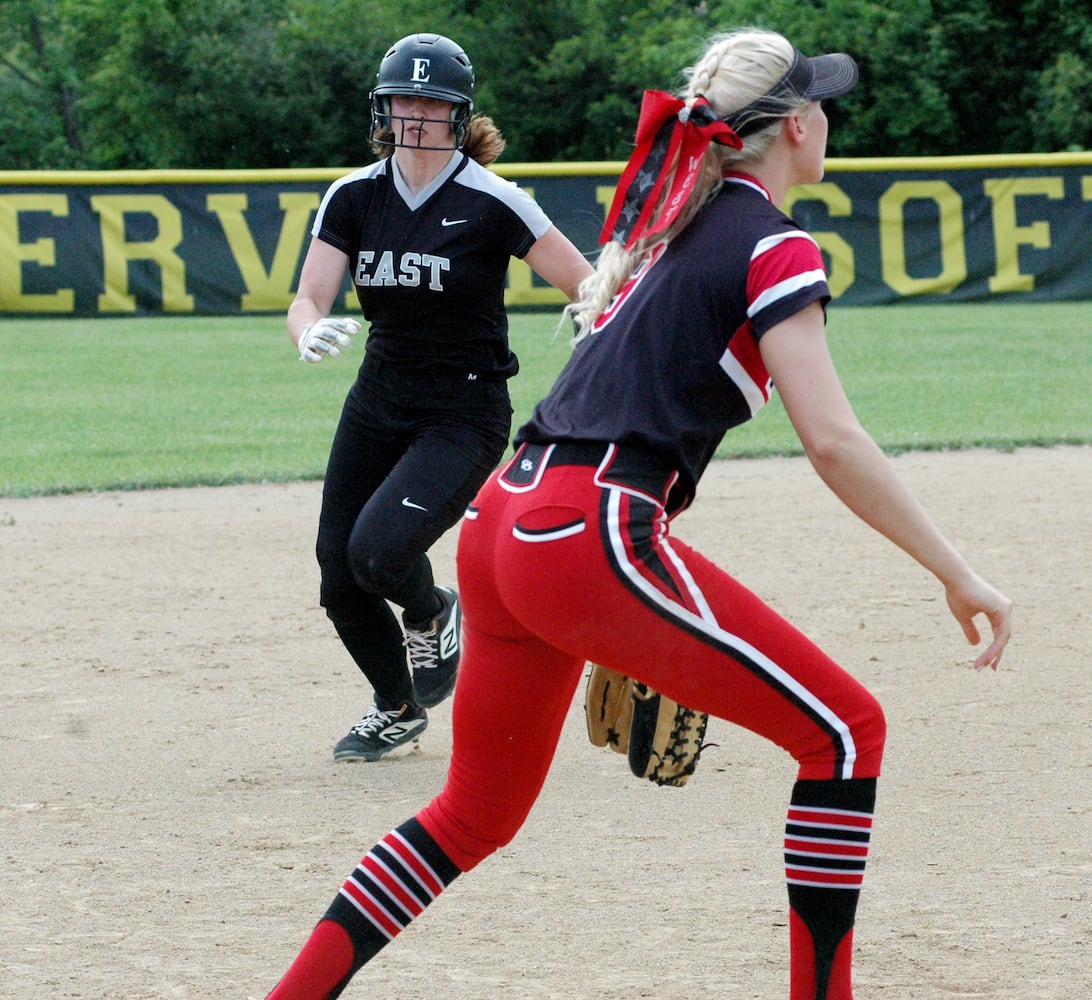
x,y
394,883
826,846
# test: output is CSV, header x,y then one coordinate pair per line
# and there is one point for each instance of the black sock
x,y
826,845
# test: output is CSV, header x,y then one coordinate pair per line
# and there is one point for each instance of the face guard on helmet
x,y
422,66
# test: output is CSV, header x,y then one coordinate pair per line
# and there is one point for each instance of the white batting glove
x,y
326,337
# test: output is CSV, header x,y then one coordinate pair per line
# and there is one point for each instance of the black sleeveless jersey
x,y
673,362
429,269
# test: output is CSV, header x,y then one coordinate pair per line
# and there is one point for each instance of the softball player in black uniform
x,y
426,234
704,296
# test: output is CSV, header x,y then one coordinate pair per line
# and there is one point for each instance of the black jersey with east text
x,y
429,269
673,362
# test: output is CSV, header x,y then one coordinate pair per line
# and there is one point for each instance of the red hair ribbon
x,y
665,127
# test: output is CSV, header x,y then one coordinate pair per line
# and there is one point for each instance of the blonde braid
x,y
701,75
737,69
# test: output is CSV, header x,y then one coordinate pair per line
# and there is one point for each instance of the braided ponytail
x,y
734,70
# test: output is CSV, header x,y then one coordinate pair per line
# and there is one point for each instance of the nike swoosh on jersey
x,y
452,222
407,502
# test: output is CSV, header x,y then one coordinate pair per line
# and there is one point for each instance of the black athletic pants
x,y
409,454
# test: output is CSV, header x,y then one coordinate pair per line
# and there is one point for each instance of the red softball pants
x,y
565,557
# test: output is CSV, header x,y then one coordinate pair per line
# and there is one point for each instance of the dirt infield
x,y
172,822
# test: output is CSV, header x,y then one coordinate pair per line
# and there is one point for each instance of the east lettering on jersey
x,y
407,272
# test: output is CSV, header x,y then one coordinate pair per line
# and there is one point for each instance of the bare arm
x,y
555,259
860,475
320,282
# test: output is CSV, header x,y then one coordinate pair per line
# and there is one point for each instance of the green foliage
x,y
201,84
993,57
1062,111
39,88
284,83
170,401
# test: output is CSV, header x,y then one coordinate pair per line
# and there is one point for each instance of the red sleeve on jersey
x,y
786,273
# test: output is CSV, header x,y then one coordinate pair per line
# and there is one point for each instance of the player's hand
x,y
972,596
326,337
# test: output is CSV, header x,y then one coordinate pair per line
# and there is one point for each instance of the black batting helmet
x,y
424,65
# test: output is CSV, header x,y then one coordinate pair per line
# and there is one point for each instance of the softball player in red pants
x,y
705,297
572,542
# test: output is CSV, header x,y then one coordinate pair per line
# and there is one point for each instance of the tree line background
x,y
141,84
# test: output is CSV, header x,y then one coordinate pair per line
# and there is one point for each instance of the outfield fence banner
x,y
954,229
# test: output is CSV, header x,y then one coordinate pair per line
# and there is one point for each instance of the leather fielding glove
x,y
661,739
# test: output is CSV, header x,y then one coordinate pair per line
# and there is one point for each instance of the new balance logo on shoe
x,y
380,731
399,731
432,649
449,639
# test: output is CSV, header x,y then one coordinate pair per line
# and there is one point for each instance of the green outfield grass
x,y
141,403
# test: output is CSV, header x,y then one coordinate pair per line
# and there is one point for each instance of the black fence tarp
x,y
221,242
